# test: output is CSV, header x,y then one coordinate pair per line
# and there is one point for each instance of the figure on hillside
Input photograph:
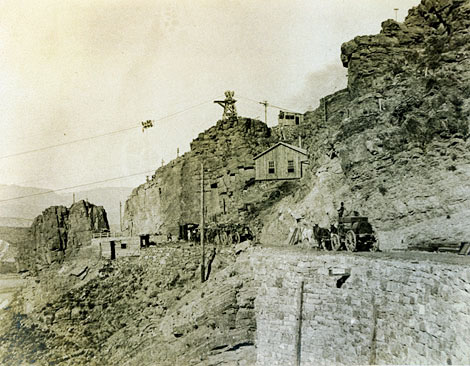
x,y
332,151
341,210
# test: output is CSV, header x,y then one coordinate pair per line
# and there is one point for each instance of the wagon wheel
x,y
335,242
351,241
236,238
375,246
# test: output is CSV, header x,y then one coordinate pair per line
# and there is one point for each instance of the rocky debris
x,y
141,310
393,145
59,232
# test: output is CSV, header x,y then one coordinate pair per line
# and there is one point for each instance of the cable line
x,y
269,104
47,177
102,135
77,186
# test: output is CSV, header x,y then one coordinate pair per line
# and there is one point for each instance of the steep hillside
x,y
393,145
147,310
172,196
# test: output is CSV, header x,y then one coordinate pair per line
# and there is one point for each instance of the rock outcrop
x,y
393,145
147,310
59,232
172,197
154,310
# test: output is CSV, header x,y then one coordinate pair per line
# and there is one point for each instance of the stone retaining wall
x,y
389,310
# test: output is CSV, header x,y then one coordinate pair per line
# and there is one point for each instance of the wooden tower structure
x,y
230,111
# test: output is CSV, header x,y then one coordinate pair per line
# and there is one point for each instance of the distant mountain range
x,y
20,205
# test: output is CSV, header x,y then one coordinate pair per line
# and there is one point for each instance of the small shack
x,y
290,119
112,247
281,161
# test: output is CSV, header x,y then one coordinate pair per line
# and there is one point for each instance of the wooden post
x,y
373,342
203,270
298,341
265,103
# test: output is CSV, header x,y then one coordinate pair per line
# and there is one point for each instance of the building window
x,y
290,166
123,245
297,120
271,167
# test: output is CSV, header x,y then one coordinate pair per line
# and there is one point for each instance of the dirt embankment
x,y
137,310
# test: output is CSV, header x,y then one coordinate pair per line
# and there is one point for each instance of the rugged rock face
x,y
357,308
147,310
172,196
60,231
394,146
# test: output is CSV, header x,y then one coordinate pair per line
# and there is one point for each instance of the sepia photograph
x,y
234,182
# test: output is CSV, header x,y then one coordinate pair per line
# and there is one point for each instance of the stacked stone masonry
x,y
388,311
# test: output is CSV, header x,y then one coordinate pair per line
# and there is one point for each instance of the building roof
x,y
295,148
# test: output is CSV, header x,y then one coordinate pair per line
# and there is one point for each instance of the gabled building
x,y
281,161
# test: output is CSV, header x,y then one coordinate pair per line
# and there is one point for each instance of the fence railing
x,y
106,234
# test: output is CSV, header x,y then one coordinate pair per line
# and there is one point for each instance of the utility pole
x,y
396,14
265,103
201,232
73,198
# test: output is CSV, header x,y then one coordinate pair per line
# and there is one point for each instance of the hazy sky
x,y
74,69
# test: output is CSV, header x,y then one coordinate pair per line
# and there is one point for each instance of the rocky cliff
x,y
356,309
393,145
172,196
145,310
59,231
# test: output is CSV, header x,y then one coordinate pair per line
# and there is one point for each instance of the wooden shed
x,y
281,161
290,119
